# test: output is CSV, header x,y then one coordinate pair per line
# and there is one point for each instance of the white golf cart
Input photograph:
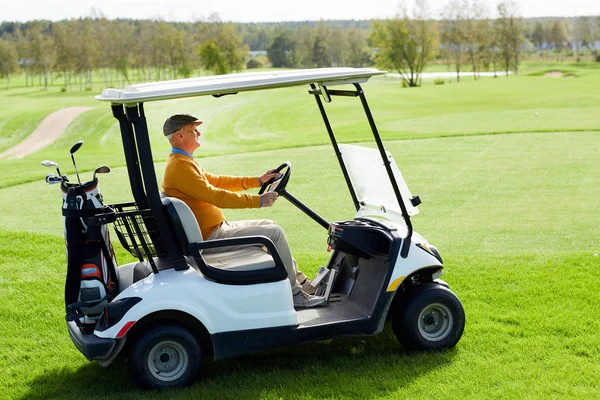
x,y
177,305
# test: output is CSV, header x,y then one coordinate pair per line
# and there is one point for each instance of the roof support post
x,y
388,168
314,91
131,154
135,114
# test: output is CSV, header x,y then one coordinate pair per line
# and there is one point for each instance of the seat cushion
x,y
246,259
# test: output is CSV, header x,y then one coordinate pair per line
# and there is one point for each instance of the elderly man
x,y
206,194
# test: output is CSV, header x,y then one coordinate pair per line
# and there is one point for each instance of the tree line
x,y
464,35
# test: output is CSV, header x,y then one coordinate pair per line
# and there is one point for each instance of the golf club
x,y
52,164
104,169
76,147
53,178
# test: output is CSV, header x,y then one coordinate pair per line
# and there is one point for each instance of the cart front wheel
x,y
432,318
165,357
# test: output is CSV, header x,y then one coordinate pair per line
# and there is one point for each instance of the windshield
x,y
371,181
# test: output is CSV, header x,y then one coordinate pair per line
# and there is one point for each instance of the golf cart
x,y
176,304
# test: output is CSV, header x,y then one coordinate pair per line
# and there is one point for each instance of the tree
x,y
557,36
453,35
122,40
320,52
337,47
584,29
538,37
225,52
406,43
281,51
42,52
475,25
305,43
490,50
8,59
212,57
65,50
87,51
509,34
358,56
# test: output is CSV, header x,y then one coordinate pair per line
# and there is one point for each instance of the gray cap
x,y
178,121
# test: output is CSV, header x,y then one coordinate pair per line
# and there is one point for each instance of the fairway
x,y
508,173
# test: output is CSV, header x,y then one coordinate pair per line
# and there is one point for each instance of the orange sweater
x,y
206,193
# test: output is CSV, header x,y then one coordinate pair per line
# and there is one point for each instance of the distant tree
x,y
490,50
281,51
65,50
538,37
102,33
337,47
584,30
320,52
144,58
8,59
212,58
358,56
557,36
509,34
162,39
406,43
42,52
305,43
453,34
475,25
87,51
225,52
232,44
122,40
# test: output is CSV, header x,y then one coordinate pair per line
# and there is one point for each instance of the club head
x,y
104,169
76,147
48,163
53,178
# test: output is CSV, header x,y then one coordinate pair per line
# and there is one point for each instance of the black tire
x,y
431,318
165,357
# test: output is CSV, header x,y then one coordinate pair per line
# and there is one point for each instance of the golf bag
x,y
92,278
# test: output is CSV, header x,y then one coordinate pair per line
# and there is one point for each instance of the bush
x,y
598,58
253,63
258,62
439,81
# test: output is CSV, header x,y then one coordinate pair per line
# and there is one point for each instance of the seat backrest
x,y
183,221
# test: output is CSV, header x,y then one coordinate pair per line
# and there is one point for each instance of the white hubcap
x,y
168,361
435,322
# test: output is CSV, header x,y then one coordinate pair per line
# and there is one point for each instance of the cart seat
x,y
250,258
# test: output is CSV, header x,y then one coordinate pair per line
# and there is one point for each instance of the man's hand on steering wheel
x,y
275,180
267,199
267,176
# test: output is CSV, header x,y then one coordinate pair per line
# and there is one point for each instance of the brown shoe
x,y
305,300
308,287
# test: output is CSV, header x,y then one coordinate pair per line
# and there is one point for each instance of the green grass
x,y
514,216
259,121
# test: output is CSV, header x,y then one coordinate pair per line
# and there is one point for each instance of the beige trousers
x,y
263,227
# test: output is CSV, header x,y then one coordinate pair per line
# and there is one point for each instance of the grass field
x,y
509,198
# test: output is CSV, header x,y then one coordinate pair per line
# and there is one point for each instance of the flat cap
x,y
178,121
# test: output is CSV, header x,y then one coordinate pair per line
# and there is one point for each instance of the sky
x,y
259,10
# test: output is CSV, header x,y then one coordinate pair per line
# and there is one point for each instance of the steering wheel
x,y
278,183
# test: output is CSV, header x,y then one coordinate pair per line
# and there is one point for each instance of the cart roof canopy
x,y
233,83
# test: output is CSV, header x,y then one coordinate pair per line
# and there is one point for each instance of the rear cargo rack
x,y
136,229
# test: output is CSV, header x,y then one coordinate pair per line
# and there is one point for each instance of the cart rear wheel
x,y
165,357
432,318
